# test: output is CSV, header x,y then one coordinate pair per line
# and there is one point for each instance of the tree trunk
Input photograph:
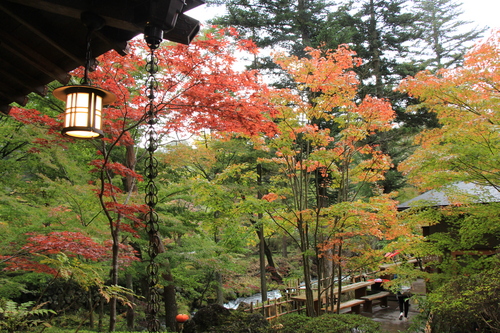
x,y
306,266
263,284
284,246
101,314
339,276
375,48
130,162
262,245
114,278
271,266
220,289
91,308
303,20
310,310
130,309
169,299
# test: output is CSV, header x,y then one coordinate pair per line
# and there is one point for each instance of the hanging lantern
x,y
82,117
182,318
84,103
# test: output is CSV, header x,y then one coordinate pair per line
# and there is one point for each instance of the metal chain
x,y
88,59
151,167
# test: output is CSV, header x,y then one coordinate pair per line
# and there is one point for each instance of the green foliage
x,y
239,321
327,323
290,323
72,330
10,289
217,319
465,301
19,317
30,283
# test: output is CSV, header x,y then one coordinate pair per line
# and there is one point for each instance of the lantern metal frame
x,y
84,103
83,114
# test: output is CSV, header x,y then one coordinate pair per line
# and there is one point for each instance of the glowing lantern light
x,y
82,118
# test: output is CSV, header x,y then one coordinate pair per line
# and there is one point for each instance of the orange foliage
x,y
334,154
465,100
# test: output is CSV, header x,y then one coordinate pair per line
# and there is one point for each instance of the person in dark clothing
x,y
404,302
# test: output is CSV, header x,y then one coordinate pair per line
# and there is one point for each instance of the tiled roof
x,y
457,193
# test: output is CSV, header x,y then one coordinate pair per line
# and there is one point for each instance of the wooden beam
x,y
40,34
25,82
121,48
5,108
36,60
115,13
7,93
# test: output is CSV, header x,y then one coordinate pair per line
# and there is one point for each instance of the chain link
x,y
151,197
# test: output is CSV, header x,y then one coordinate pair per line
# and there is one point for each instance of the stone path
x,y
389,317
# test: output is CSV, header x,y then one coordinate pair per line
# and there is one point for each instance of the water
x,y
271,295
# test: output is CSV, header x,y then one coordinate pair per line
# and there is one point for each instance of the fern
x,y
18,317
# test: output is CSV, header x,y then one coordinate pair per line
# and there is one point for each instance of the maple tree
x,y
316,196
213,174
198,89
466,146
72,244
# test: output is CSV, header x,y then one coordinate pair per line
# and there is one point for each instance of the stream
x,y
271,295
233,305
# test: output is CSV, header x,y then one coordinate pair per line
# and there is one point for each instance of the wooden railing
x,y
272,309
293,301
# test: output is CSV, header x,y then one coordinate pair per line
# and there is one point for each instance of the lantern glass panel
x,y
83,114
84,104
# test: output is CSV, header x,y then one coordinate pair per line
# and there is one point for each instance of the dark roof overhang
x,y
42,40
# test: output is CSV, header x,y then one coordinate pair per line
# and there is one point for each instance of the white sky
x,y
482,12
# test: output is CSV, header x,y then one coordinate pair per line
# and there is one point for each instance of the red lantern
x,y
182,318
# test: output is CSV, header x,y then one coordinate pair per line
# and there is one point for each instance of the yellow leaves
x,y
466,102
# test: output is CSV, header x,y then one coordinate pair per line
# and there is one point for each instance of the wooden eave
x,y
42,40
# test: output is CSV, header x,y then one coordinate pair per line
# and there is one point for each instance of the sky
x,y
481,12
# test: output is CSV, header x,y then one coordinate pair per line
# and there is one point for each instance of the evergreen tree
x,y
291,25
288,24
381,32
444,37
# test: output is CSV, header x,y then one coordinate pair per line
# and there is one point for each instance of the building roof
x,y
42,40
457,193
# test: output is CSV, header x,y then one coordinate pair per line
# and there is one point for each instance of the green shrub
x,y
239,321
217,319
73,330
290,323
327,323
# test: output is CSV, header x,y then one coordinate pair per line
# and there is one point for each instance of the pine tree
x,y
288,24
444,37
